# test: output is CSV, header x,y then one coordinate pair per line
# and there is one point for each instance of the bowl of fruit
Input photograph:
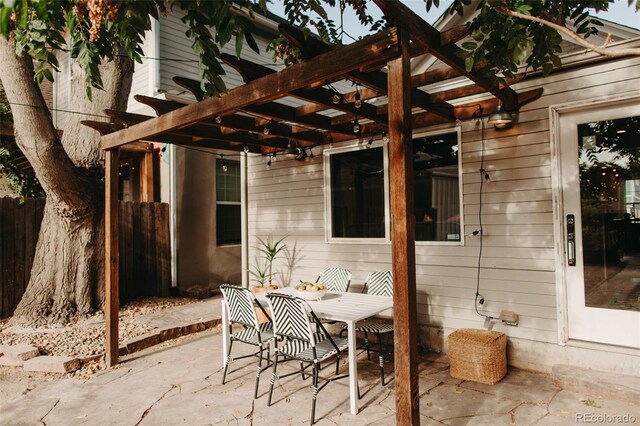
x,y
310,291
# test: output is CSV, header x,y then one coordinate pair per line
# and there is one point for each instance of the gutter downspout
x,y
154,65
244,219
172,216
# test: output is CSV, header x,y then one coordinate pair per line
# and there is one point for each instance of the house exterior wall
x,y
200,261
518,270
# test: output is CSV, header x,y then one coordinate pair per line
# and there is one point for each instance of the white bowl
x,y
311,295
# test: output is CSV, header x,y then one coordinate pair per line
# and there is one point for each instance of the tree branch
x,y
602,50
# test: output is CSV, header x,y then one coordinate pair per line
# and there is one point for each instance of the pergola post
x,y
146,177
403,237
111,256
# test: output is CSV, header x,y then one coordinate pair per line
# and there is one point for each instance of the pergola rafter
x,y
235,121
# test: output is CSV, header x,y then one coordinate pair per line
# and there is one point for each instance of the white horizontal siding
x,y
518,259
179,59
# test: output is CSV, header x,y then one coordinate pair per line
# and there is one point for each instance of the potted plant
x,y
262,271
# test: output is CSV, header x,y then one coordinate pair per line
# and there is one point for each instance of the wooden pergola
x,y
236,120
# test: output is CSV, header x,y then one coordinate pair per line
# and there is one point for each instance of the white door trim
x,y
555,112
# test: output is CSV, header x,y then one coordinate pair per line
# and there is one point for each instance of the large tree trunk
x,y
67,278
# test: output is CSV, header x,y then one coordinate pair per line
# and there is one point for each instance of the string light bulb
x,y
356,126
385,137
269,162
267,128
358,101
218,119
246,149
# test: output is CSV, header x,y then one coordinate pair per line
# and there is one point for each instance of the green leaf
x,y
469,45
5,20
47,74
239,43
317,8
252,42
468,63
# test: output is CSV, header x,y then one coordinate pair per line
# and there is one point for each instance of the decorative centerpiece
x,y
310,291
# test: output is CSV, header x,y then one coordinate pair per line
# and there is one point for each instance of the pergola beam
x,y
317,95
376,80
373,49
430,39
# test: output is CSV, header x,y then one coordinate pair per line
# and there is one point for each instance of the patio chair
x,y
242,304
379,284
293,318
335,279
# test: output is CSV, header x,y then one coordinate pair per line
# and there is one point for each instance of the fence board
x,y
7,255
18,257
144,249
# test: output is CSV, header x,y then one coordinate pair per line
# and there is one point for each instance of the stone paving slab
x,y
52,364
603,384
179,382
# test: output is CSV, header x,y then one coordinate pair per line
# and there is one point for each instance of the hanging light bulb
x,y
385,137
356,126
218,119
246,149
358,102
267,128
370,141
335,99
269,163
224,167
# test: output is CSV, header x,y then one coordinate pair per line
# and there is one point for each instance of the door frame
x,y
555,115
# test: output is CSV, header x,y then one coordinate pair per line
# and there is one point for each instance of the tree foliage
x,y
509,33
100,29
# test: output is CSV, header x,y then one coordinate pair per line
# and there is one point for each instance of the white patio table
x,y
344,307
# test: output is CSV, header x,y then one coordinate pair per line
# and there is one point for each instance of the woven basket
x,y
478,355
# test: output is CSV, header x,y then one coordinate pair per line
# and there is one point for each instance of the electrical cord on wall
x,y
484,176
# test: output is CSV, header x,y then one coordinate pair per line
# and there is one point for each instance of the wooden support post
x,y
146,178
111,256
403,237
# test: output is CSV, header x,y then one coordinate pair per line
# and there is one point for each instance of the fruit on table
x,y
307,286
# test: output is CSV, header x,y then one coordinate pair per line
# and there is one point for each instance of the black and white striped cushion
x,y
250,335
335,279
304,351
374,325
240,305
380,283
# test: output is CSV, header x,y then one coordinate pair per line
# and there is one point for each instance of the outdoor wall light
x,y
500,119
291,151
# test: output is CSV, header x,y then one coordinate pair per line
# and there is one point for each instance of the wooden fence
x,y
145,249
19,229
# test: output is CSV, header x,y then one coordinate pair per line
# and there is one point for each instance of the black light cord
x,y
479,299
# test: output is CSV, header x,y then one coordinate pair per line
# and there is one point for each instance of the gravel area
x,y
85,338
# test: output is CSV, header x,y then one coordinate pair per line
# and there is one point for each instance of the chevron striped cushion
x,y
304,352
335,279
250,335
380,283
374,325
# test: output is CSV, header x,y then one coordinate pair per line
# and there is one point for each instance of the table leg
x,y
225,331
353,367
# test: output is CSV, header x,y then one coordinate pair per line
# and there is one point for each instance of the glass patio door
x,y
600,172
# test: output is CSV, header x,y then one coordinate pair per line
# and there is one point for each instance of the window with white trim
x,y
228,228
357,193
436,182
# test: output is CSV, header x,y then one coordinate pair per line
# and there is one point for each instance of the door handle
x,y
571,240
